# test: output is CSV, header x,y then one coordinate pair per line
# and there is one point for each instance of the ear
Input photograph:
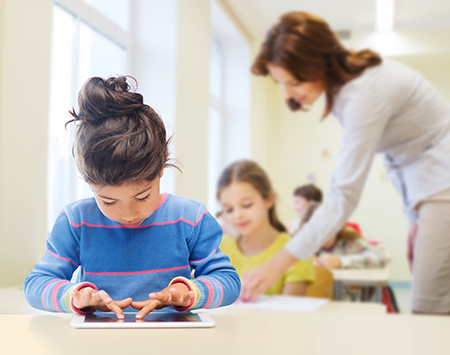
x,y
161,173
270,201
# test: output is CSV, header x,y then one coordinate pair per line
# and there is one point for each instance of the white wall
x,y
24,97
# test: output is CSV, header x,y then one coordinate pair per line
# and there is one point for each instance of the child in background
x,y
248,201
303,196
134,246
347,249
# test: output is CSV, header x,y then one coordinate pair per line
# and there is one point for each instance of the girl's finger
x,y
174,295
125,303
88,290
139,305
150,306
160,296
102,296
116,309
188,296
77,300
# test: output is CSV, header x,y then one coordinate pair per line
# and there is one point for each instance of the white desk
x,y
237,331
377,278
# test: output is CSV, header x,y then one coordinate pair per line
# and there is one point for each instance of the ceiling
x,y
355,15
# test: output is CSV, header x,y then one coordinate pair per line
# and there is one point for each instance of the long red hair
x,y
305,46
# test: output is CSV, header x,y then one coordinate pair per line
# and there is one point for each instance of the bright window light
x,y
385,14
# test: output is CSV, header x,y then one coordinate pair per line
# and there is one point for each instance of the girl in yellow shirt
x,y
248,203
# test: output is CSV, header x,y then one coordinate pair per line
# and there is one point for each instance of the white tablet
x,y
151,320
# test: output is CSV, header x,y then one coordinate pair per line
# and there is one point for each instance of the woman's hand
x,y
258,280
411,243
177,294
329,261
99,300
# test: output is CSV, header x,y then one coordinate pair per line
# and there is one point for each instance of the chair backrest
x,y
323,287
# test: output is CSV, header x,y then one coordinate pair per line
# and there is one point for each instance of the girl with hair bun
x,y
383,107
135,246
248,201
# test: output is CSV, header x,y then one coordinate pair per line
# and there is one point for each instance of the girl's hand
x,y
329,261
177,294
411,243
99,300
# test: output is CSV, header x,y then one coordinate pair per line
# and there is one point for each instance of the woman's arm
x,y
365,111
261,278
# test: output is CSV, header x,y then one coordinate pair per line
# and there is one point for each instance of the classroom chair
x,y
323,287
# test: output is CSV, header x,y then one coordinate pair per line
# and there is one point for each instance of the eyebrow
x,y
114,199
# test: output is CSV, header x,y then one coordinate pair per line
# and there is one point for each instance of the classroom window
x,y
229,113
117,10
79,51
215,123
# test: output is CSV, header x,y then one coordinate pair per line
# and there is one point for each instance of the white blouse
x,y
391,109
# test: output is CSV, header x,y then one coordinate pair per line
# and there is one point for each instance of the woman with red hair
x,y
383,107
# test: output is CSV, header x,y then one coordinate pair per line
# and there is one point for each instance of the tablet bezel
x,y
205,322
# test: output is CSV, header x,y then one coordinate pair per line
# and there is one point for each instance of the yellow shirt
x,y
301,271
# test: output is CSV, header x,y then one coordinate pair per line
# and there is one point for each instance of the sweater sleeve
x,y
365,113
216,281
48,285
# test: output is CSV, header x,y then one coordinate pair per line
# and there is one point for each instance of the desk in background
x,y
377,278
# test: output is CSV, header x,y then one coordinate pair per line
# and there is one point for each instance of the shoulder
x,y
175,207
282,239
228,243
85,210
389,81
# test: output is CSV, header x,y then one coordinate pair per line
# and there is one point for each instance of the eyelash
x,y
143,199
138,199
245,206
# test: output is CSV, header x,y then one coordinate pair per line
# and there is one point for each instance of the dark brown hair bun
x,y
118,138
101,99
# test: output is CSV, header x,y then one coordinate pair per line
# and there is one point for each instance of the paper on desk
x,y
284,303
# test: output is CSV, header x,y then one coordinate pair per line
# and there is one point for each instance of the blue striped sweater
x,y
132,262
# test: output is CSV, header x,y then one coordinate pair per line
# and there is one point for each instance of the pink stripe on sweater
x,y
43,292
210,288
138,227
161,201
62,258
55,293
197,261
136,272
221,288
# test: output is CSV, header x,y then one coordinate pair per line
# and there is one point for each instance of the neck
x,y
259,240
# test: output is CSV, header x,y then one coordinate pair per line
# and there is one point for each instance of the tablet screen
x,y
152,317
